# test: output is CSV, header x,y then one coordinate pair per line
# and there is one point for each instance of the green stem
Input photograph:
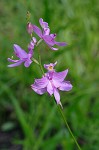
x,y
39,42
40,64
39,57
66,124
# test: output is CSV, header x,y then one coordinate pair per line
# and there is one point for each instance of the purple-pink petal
x,y
37,30
11,60
43,24
41,83
27,62
49,88
53,35
46,31
19,52
49,40
56,83
53,48
60,43
38,91
16,64
31,46
34,40
57,96
55,64
60,76
65,86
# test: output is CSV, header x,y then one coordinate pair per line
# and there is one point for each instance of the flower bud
x,y
29,28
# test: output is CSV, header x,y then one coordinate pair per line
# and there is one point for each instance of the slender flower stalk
x,y
40,63
39,42
66,124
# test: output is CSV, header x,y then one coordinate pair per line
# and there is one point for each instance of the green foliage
x,y
75,22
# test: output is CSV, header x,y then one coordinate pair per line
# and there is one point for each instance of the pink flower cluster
x,y
52,81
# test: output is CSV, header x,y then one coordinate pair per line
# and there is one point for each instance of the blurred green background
x,y
32,122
